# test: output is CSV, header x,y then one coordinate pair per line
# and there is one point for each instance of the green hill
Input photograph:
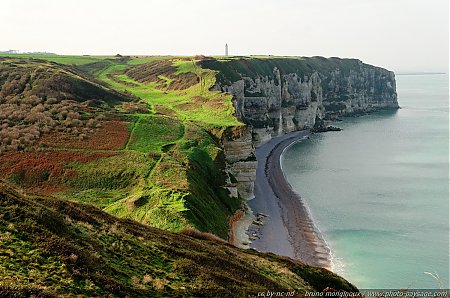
x,y
52,247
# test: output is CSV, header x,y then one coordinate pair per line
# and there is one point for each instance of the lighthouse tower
x,y
226,49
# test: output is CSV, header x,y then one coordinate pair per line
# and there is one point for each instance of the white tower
x,y
226,49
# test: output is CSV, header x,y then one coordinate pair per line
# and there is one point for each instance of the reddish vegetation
x,y
112,135
44,171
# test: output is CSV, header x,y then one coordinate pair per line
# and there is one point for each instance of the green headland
x,y
113,182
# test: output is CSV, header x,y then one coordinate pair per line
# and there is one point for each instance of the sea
x,y
379,189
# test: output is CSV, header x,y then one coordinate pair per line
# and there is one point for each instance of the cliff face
x,y
241,161
280,95
275,96
274,109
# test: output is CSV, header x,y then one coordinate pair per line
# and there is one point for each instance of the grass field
x,y
62,59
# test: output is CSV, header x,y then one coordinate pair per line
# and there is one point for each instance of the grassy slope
x,y
55,247
168,173
175,130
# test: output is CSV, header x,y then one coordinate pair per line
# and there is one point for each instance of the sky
x,y
401,35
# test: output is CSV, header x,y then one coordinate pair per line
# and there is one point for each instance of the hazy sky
x,y
401,35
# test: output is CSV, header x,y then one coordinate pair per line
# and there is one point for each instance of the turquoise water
x,y
379,189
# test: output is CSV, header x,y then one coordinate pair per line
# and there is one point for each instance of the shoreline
x,y
288,228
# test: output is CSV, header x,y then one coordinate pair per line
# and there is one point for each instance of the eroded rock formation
x,y
275,96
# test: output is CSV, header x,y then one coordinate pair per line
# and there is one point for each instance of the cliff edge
x,y
276,95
